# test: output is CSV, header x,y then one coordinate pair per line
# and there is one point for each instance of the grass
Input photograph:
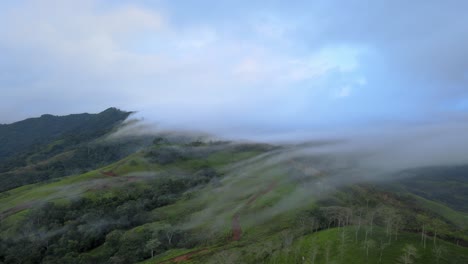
x,y
40,192
458,218
331,248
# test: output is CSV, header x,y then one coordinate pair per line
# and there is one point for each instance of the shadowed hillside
x,y
35,132
38,149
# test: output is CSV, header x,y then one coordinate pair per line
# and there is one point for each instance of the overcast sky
x,y
248,66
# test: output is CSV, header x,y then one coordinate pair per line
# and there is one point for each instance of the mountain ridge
x,y
21,135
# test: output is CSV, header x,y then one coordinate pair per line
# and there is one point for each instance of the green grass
x,y
355,252
458,218
40,192
330,248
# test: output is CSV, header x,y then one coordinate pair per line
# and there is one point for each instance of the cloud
x,y
345,91
242,65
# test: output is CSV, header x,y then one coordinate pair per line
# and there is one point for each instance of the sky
x,y
237,67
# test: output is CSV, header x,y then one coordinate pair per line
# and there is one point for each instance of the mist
x,y
313,166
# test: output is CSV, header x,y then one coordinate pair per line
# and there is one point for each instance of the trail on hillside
x,y
236,226
15,210
111,173
184,257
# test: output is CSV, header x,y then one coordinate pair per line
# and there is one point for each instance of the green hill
x,y
39,149
34,132
167,199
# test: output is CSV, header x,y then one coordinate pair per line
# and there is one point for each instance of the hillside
x,y
38,149
178,199
18,137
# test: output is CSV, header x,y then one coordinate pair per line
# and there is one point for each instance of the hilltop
x,y
38,149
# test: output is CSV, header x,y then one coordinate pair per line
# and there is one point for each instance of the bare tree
x,y
423,221
169,235
313,254
343,240
368,245
327,252
152,245
287,238
397,223
226,257
336,214
313,224
370,217
388,214
357,223
423,234
303,222
382,247
409,254
438,251
437,226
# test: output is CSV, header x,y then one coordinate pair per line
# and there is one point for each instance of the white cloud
x,y
344,91
288,69
85,57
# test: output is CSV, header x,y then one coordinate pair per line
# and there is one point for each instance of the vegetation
x,y
20,140
50,147
167,198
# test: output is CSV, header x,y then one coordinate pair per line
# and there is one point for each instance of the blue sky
x,y
237,66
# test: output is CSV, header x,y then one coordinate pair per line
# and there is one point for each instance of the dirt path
x,y
236,227
109,173
14,210
184,257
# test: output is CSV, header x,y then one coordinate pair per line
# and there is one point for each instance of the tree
x,y
397,224
287,238
169,235
343,240
423,221
327,252
437,226
313,254
438,251
409,254
370,220
388,214
152,245
226,257
357,222
368,245
382,247
113,238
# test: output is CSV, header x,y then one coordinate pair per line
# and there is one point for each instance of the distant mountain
x,y
18,137
38,149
